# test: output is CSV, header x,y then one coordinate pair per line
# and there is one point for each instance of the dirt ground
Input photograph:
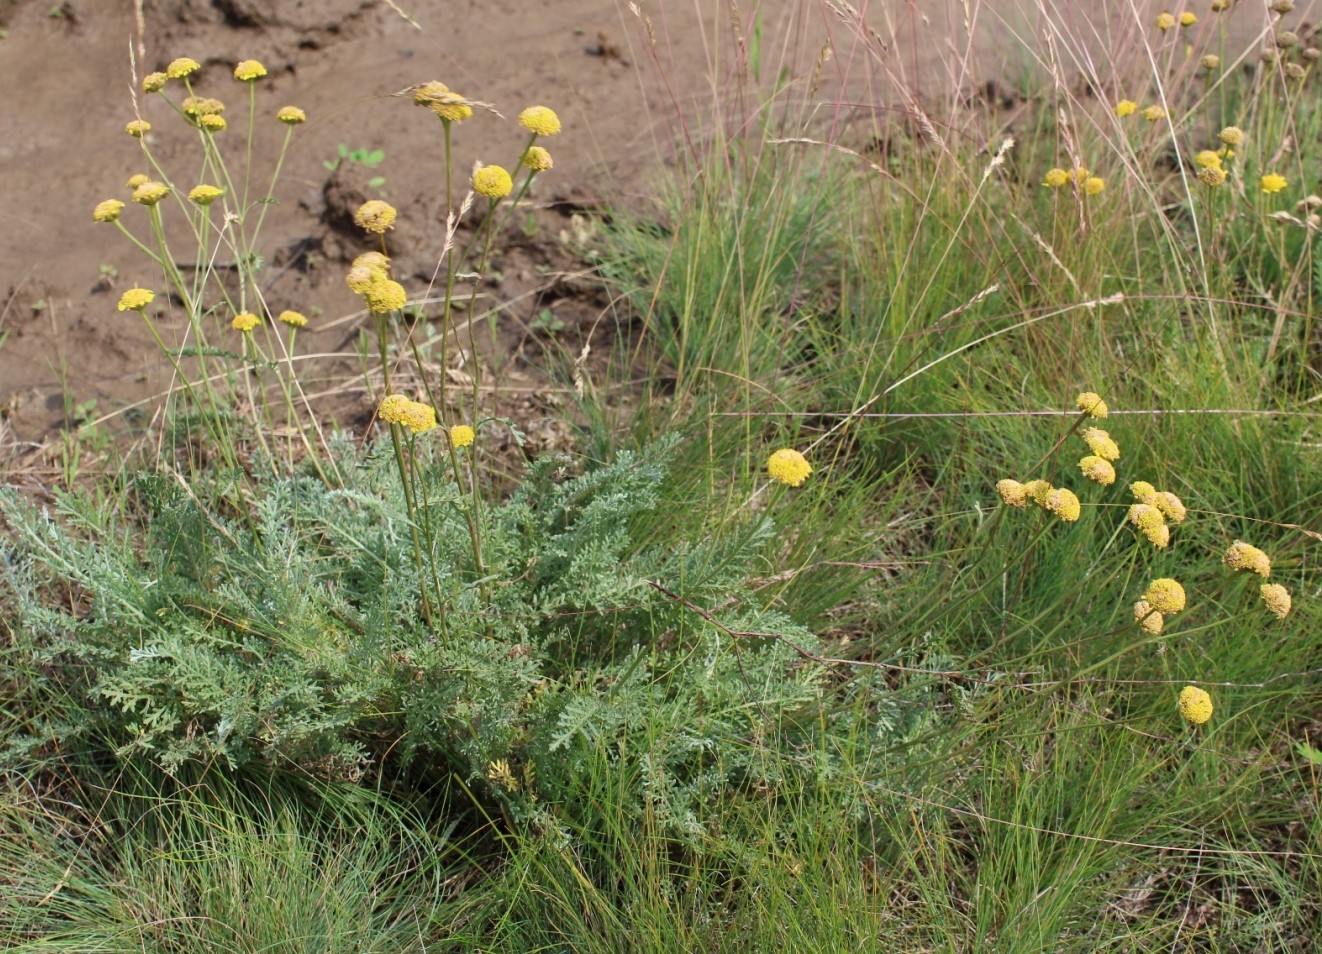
x,y
631,86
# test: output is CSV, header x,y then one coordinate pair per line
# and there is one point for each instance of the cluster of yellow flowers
x,y
1127,107
416,416
789,467
1166,21
1243,556
369,275
1082,178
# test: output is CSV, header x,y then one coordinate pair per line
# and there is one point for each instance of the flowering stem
x,y
412,510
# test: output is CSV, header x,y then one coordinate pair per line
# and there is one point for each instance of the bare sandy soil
x,y
631,88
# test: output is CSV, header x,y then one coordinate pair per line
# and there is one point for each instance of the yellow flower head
x,y
136,299
1212,176
205,194
182,67
1097,469
1231,136
1126,107
1165,21
789,467
154,82
1277,599
1092,403
1037,491
1188,19
1210,61
1151,524
294,319
135,181
1153,113
442,101
461,435
248,71
213,122
1195,705
492,182
1101,444
1064,504
1220,6
149,193
1166,595
1272,182
537,159
416,416
1143,492
1147,617
1055,178
291,115
374,260
1012,492
1208,158
375,216
1093,185
540,120
197,106
107,211
360,278
385,296
1171,507
1241,556
245,321
138,128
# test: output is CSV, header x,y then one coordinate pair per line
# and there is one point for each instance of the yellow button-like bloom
x,y
1097,469
181,67
1143,491
137,128
1148,617
377,261
154,82
537,159
137,180
291,115
1064,504
1093,185
1151,523
1212,176
1277,599
1012,492
1153,113
375,216
149,193
1165,21
461,435
360,278
1171,506
1092,403
1101,444
1055,178
1242,556
493,182
384,296
1272,182
416,416
204,194
248,71
789,467
1195,705
136,299
1166,595
294,319
195,106
1220,6
540,120
426,92
1210,61
442,101
213,122
1231,136
1188,19
1208,158
107,211
1037,491
1126,107
245,321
